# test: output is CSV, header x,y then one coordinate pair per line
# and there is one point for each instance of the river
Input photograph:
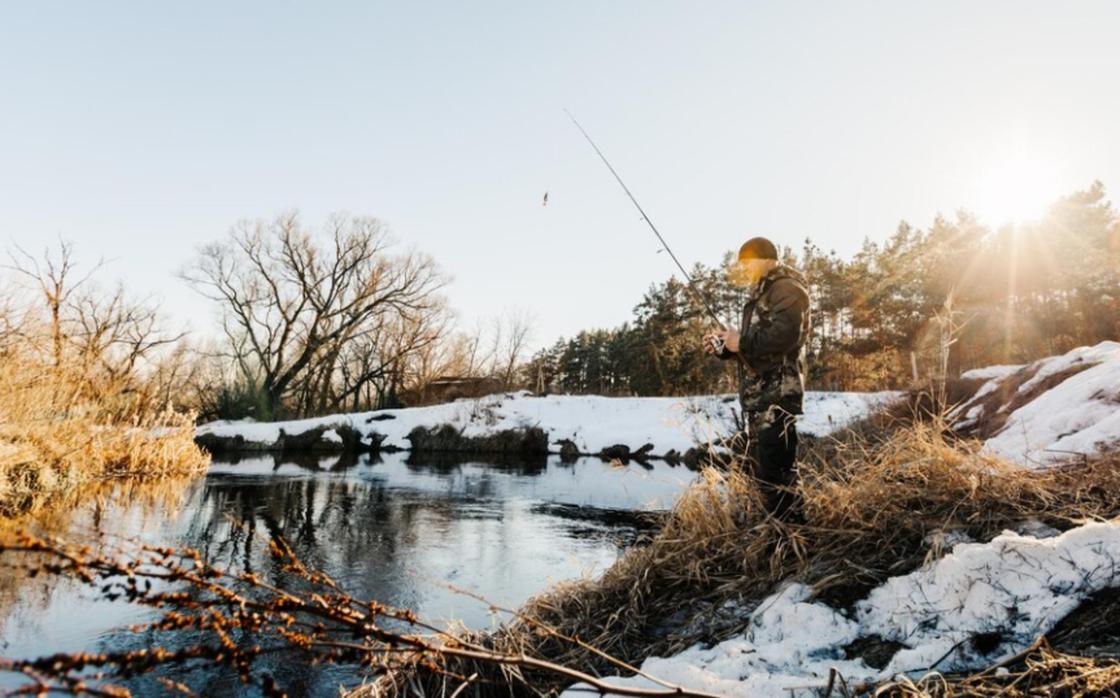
x,y
405,531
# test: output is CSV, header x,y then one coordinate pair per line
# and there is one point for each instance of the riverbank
x,y
1035,414
665,428
925,562
917,553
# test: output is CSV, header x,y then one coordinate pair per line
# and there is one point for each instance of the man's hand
x,y
716,342
730,340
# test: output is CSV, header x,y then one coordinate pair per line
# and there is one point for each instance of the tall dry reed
x,y
64,426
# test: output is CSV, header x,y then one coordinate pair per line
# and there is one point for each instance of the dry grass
x,y
873,502
61,429
872,499
1040,672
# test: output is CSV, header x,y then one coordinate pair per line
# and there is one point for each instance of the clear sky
x,y
140,130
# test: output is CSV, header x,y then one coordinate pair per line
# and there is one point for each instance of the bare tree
x,y
455,355
52,276
512,335
107,342
411,335
115,333
476,357
296,306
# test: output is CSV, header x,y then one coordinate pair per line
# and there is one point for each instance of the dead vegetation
x,y
1040,671
1078,657
56,439
84,389
874,502
877,501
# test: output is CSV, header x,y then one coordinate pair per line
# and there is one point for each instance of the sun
x,y
1016,187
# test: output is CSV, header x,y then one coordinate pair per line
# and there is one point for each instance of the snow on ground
x,y
989,372
1011,589
1080,415
592,422
1103,352
974,409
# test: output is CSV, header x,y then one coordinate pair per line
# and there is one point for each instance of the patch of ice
x,y
1036,529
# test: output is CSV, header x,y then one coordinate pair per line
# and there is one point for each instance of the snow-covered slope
x,y
1038,422
591,422
1007,591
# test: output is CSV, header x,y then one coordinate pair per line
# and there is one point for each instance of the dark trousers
x,y
771,455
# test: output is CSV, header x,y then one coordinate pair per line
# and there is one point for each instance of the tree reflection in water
x,y
396,529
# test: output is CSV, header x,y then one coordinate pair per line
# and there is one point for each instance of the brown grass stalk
x,y
314,620
63,428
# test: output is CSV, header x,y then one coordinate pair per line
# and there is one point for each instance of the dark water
x,y
391,529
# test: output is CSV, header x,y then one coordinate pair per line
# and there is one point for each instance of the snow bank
x,y
591,422
1103,352
972,405
1008,591
1080,415
989,372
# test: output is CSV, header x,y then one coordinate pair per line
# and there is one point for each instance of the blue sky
x,y
142,130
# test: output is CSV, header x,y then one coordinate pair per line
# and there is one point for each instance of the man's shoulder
x,y
787,282
784,271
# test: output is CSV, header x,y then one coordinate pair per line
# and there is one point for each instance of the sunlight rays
x,y
1017,181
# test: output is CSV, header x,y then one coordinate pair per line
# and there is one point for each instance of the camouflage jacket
x,y
772,336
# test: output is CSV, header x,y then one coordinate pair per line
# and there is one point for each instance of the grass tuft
x,y
60,430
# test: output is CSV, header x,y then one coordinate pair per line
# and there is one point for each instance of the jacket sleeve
x,y
788,305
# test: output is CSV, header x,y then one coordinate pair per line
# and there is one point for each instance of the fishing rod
x,y
688,277
691,285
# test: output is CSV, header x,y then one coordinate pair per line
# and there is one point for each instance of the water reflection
x,y
397,529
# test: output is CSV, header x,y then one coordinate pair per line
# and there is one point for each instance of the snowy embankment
x,y
1049,411
592,423
982,603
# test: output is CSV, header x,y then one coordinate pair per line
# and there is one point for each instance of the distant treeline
x,y
337,317
311,321
922,304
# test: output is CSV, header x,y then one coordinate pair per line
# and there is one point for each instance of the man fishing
x,y
774,329
769,345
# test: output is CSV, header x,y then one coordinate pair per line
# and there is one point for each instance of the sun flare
x,y
1015,188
